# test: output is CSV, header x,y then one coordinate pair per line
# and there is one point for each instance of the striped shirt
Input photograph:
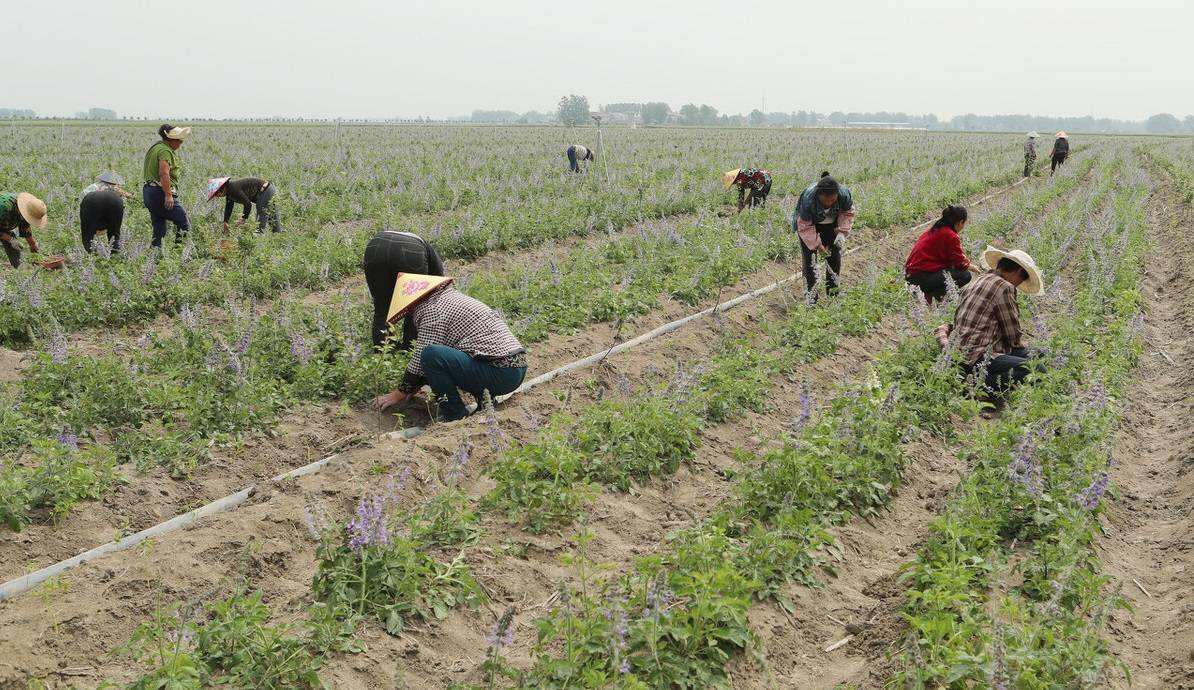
x,y
451,318
987,319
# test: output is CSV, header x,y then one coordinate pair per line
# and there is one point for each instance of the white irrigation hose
x,y
26,582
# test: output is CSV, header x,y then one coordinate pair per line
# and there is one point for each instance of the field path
x,y
1148,540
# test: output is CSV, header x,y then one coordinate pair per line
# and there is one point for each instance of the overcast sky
x,y
375,58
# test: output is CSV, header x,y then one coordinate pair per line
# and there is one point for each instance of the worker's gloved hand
x,y
840,241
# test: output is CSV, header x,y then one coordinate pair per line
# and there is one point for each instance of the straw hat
x,y
730,175
1033,135
177,133
412,288
214,186
1032,286
32,210
111,177
1061,135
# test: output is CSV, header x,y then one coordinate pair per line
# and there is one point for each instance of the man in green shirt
x,y
19,213
159,194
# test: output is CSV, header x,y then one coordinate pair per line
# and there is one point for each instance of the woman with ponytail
x,y
938,252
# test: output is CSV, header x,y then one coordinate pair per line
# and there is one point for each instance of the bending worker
x,y
247,191
462,344
987,322
824,218
1061,149
754,184
1030,153
389,253
19,214
938,253
577,153
101,208
160,193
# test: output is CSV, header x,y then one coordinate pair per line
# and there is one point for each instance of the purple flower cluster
x,y
1024,469
458,462
57,347
806,408
69,439
187,316
369,527
501,635
300,349
1090,497
619,630
659,598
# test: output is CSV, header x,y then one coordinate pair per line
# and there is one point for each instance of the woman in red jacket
x,y
938,252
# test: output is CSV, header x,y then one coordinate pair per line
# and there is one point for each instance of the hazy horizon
x,y
385,60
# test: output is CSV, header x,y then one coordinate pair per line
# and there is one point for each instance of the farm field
x,y
783,494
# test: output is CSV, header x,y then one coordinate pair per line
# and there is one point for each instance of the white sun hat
x,y
729,176
991,256
1033,135
178,133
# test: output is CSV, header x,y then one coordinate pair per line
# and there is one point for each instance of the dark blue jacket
x,y
810,210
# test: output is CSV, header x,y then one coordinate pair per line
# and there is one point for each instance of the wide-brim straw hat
x,y
178,133
1033,135
1061,135
729,176
111,177
1031,286
214,186
32,209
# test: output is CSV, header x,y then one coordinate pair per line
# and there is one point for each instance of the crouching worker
x,y
247,191
577,153
986,328
754,184
101,208
19,214
389,254
462,345
938,254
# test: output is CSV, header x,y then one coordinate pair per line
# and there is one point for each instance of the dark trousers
x,y
827,233
572,164
933,284
101,210
757,197
1029,161
1010,369
388,254
1058,159
267,210
12,251
448,371
154,198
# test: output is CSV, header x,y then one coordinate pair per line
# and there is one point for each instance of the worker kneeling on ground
x,y
824,218
937,256
462,344
986,328
247,191
577,153
754,184
19,214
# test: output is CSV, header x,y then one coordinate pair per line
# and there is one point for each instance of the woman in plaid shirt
x,y
462,344
754,184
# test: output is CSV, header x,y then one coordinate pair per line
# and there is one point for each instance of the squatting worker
x,y
463,344
937,254
754,184
386,255
247,191
19,214
1061,150
577,153
987,323
824,218
160,193
1030,153
101,208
